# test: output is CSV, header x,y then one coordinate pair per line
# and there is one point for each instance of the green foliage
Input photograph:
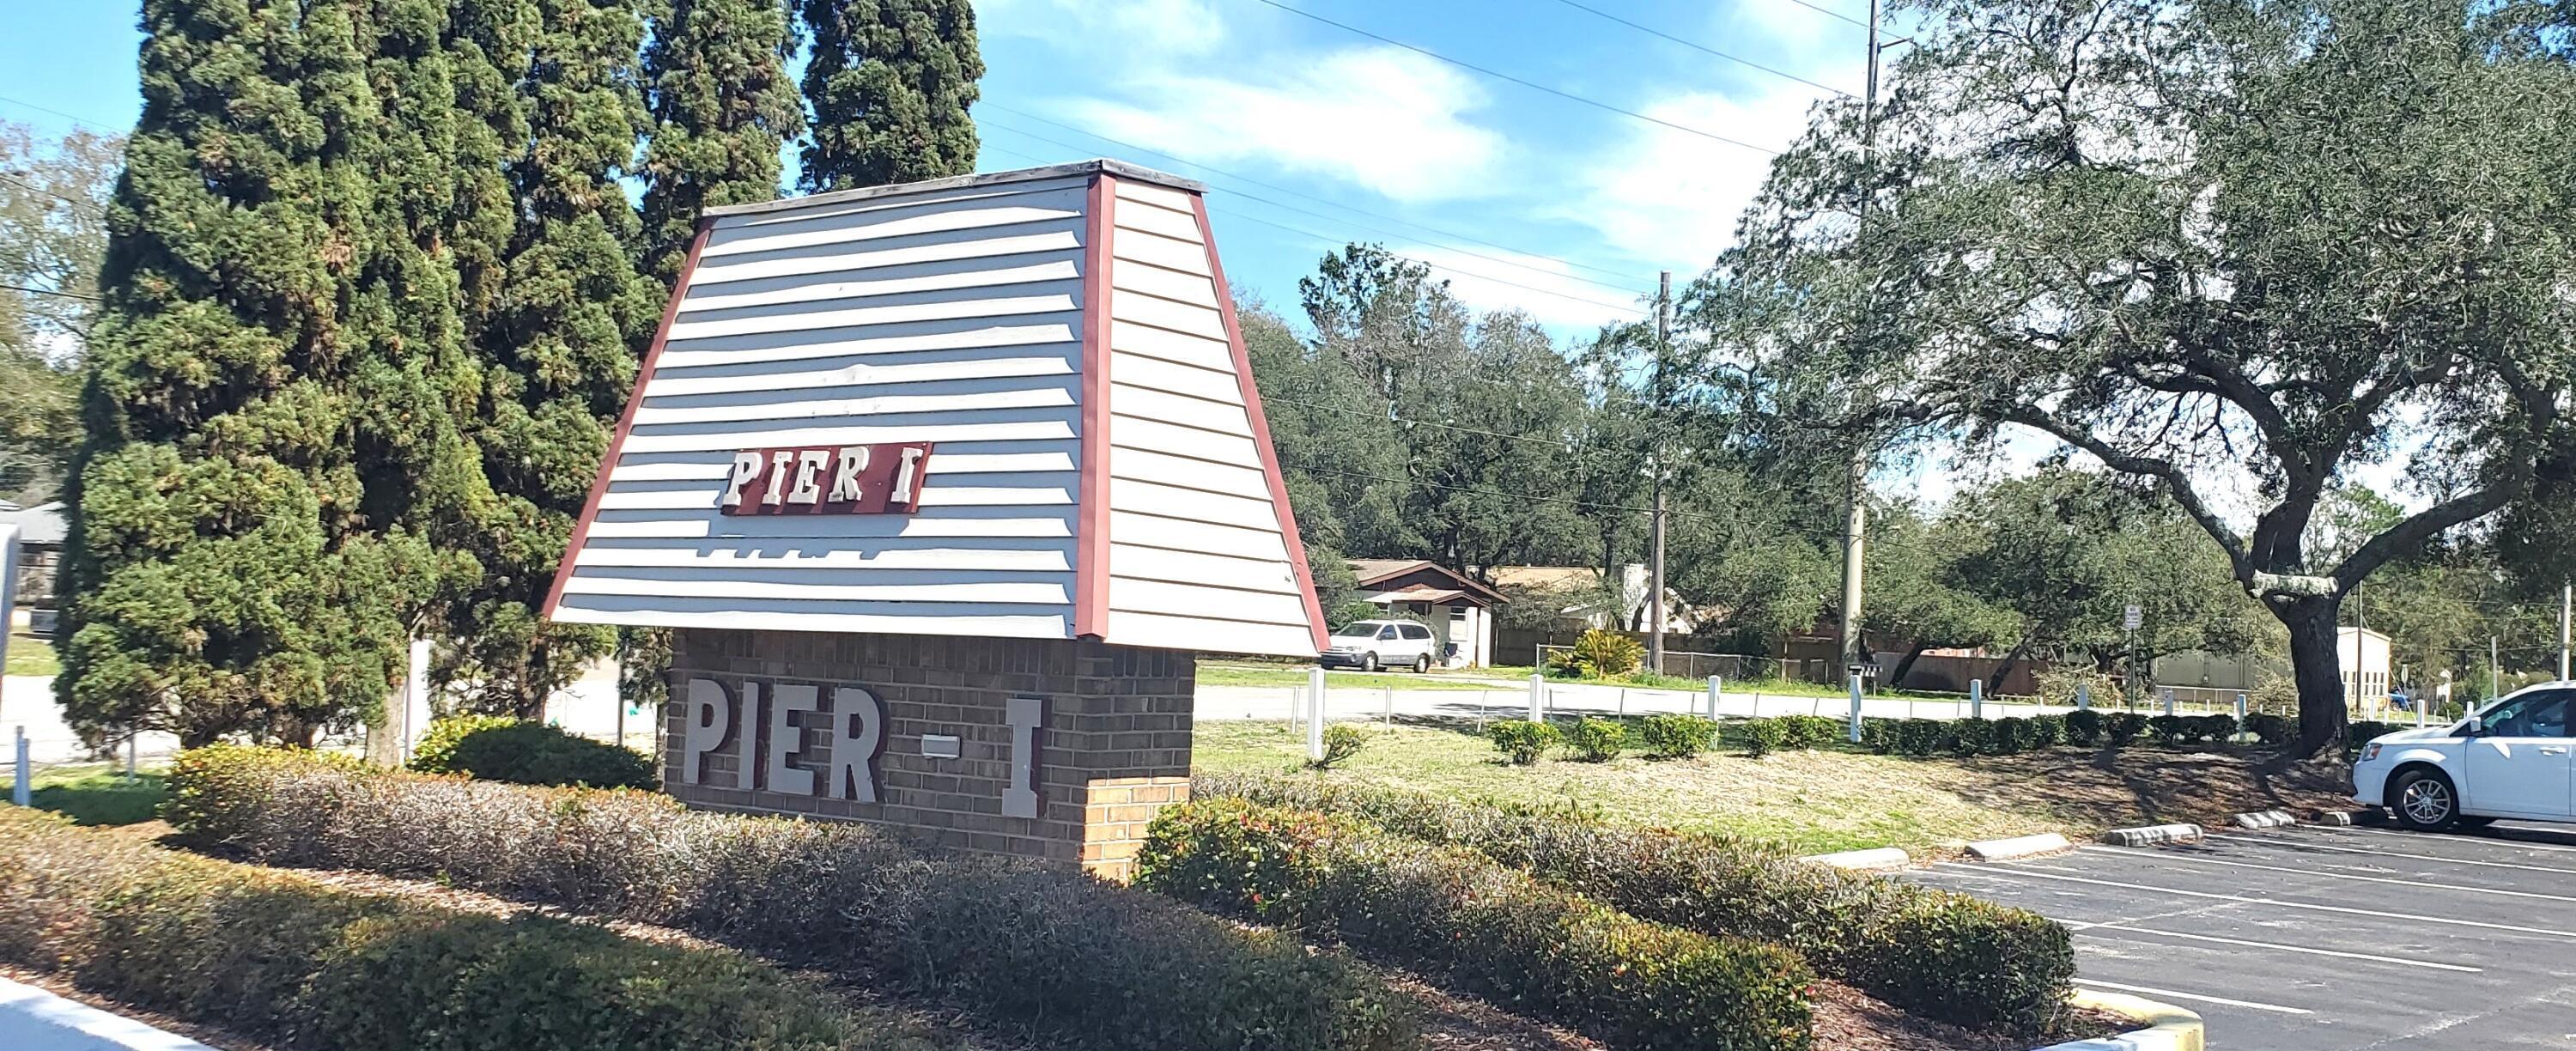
x,y
1971,736
1493,930
722,104
2044,731
2271,730
1674,736
2171,729
1936,953
499,748
1608,654
1017,943
1761,737
889,83
2123,727
2360,731
1802,732
2083,727
290,960
1523,741
2216,729
53,229
1598,740
1341,742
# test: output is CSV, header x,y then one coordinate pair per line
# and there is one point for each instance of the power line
x,y
51,292
1697,46
73,201
1530,84
1293,193
91,124
1830,12
1452,269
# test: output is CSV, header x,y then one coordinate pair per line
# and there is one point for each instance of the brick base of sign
x,y
1065,749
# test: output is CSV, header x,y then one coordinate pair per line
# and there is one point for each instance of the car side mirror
x,y
2476,726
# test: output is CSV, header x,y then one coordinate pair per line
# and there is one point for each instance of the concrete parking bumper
x,y
2162,1027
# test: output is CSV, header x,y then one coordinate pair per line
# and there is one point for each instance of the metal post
x,y
2083,695
1855,709
621,720
132,752
1538,697
1315,718
1623,702
2566,602
1655,469
1976,698
1713,691
1390,707
2491,667
25,781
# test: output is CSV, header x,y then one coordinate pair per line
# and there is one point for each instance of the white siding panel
x,y
1158,196
704,497
861,373
1038,299
919,619
905,279
733,556
1063,236
1146,465
661,410
1137,562
1155,281
1127,494
717,466
738,235
703,440
1192,600
706,525
1188,257
959,197
1164,222
1217,636
1217,416
1140,433
1024,593
1203,322
1205,352
1178,534
891,339
1138,370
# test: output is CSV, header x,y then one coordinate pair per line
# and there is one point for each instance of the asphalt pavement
x,y
2322,939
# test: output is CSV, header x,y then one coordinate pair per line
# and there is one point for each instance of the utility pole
x,y
2566,602
1655,464
2491,667
1855,507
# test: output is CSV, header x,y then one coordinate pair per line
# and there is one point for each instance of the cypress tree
x,y
558,341
890,82
235,566
722,105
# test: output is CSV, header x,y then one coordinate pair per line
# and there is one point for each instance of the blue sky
x,y
1567,211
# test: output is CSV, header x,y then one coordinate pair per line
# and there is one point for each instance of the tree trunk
x,y
1896,679
1995,680
2316,666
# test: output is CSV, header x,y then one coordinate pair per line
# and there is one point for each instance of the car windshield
x,y
1361,630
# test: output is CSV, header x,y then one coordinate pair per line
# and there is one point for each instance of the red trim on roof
x,y
1091,529
626,420
1260,429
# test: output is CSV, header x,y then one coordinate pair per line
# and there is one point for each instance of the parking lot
x,y
2314,938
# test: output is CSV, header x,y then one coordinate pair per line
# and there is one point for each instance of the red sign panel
x,y
827,480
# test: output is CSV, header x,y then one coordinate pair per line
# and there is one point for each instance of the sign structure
x,y
844,480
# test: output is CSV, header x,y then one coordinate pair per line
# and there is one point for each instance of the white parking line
x,y
2195,996
2419,836
2409,917
2399,960
2420,884
2269,841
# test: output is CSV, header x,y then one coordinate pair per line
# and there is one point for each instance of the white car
x,y
2510,760
1373,644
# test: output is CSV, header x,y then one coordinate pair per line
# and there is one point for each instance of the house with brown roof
x,y
1457,608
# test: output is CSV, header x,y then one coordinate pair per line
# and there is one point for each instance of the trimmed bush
x,y
1598,740
2083,727
1523,741
2046,731
2123,727
1761,737
1971,736
1809,731
528,753
2008,736
1086,963
1341,742
1492,930
295,962
1675,736
2171,729
2272,730
2357,732
1924,737
1878,735
2216,729
1933,952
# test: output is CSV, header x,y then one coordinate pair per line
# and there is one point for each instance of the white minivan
x,y
2509,760
1373,644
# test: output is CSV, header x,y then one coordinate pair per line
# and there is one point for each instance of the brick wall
x,y
1113,743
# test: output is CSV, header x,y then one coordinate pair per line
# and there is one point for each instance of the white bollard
x,y
1538,697
2083,696
2240,709
1976,698
1855,709
1716,686
1315,716
1390,707
2169,700
26,779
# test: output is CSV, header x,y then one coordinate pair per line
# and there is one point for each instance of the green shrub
x,y
1924,737
2272,730
1341,742
1761,737
1608,654
1598,740
1017,942
528,753
1936,953
2008,736
2358,732
1879,735
1971,736
1809,731
2123,727
2046,731
2217,729
1524,741
1492,930
1674,736
295,962
2083,727
2171,729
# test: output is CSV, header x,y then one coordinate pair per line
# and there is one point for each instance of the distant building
x,y
1458,609
40,550
2363,655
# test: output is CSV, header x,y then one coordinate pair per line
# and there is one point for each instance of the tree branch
x,y
2033,417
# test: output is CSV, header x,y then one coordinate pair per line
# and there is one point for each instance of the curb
x,y
2265,819
1867,860
2168,1028
2018,847
33,1019
2150,835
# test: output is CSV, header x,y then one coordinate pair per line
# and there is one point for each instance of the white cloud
x,y
1671,198
1546,289
1380,118
1168,27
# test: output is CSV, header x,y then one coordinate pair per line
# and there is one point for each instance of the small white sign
x,y
2131,618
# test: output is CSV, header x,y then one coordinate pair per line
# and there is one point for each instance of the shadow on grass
x,y
104,799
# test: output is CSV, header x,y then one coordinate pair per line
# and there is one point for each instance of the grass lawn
x,y
99,794
1260,675
1812,802
29,655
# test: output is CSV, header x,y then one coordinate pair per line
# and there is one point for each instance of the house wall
x,y
1111,736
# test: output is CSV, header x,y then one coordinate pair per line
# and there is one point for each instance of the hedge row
x,y
499,748
306,966
1085,963
1493,930
2084,728
1936,953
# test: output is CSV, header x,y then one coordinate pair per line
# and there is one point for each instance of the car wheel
x,y
1368,662
1422,664
2424,800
